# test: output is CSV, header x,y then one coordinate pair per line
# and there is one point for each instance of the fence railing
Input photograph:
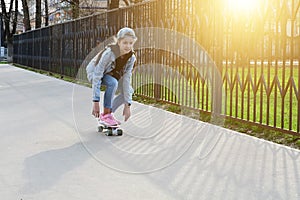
x,y
212,56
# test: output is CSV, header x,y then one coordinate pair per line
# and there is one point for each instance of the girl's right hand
x,y
96,109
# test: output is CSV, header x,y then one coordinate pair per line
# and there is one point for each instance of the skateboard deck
x,y
114,130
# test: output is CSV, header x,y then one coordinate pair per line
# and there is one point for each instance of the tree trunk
x,y
8,34
46,13
1,31
38,14
15,20
6,17
26,19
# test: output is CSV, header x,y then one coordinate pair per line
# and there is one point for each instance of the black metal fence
x,y
214,56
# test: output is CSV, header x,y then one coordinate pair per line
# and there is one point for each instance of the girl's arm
x,y
127,89
104,61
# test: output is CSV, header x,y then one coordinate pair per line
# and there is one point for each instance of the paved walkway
x,y
50,150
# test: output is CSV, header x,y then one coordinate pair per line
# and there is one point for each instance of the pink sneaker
x,y
118,122
108,119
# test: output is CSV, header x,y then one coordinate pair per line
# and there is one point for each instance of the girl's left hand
x,y
126,112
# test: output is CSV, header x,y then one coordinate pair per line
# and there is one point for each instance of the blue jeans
x,y
111,84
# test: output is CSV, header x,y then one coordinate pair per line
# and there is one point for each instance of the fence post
x,y
157,77
217,57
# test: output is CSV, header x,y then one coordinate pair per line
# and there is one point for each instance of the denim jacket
x,y
107,64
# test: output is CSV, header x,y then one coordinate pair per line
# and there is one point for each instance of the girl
x,y
113,68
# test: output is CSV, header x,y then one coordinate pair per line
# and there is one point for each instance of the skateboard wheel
x,y
119,132
100,128
109,132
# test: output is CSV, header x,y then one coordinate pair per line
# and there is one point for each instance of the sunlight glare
x,y
242,5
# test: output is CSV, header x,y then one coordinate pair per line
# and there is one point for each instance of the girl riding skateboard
x,y
113,69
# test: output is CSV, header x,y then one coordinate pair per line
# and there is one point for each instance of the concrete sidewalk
x,y
50,150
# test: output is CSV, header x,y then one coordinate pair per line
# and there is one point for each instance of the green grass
x,y
279,106
254,130
272,101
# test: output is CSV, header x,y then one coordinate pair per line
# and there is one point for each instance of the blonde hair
x,y
126,32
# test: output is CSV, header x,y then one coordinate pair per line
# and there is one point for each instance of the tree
x,y
38,14
8,17
26,20
75,9
112,4
46,13
74,6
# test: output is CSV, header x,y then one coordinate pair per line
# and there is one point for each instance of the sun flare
x,y
242,5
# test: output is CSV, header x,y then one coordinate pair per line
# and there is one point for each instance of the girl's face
x,y
126,44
